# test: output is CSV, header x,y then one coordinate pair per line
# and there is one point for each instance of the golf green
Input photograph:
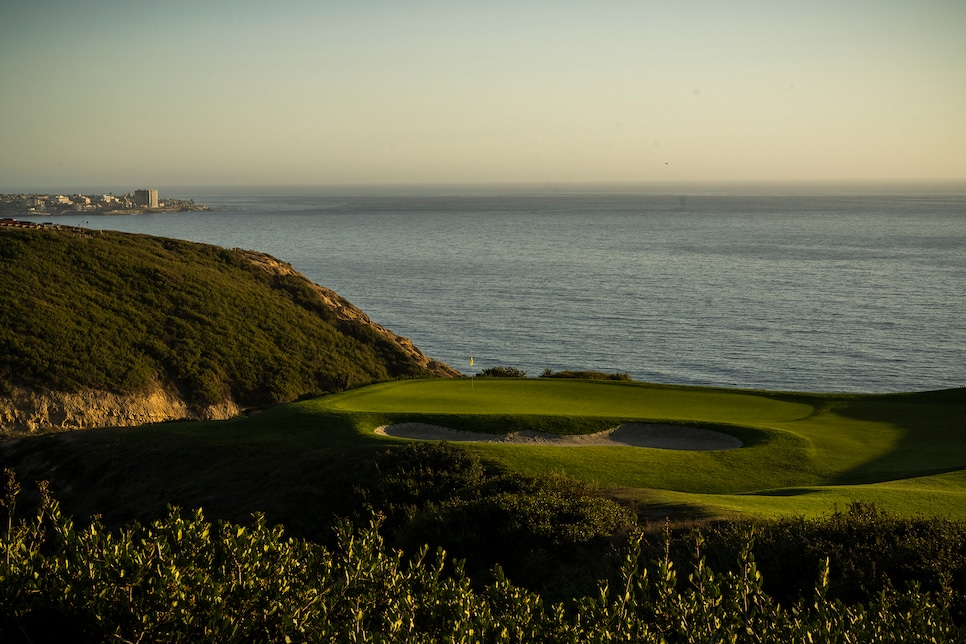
x,y
569,398
802,453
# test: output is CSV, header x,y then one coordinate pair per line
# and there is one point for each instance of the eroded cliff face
x,y
345,310
27,411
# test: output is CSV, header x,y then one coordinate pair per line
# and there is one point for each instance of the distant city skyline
x,y
108,93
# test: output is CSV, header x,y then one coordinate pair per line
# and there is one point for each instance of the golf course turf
x,y
802,454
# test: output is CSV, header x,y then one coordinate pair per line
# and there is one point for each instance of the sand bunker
x,y
678,437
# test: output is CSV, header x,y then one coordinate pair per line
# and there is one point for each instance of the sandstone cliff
x,y
27,410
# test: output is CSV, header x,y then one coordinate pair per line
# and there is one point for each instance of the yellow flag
x,y
471,361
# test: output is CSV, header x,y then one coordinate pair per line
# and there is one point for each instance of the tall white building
x,y
147,197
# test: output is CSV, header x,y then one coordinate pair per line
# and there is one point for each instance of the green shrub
x,y
502,372
870,550
548,532
586,375
398,482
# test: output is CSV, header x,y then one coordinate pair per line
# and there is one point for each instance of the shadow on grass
x,y
290,462
933,439
788,491
677,513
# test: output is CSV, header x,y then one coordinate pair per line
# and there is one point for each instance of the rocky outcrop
x,y
345,310
25,410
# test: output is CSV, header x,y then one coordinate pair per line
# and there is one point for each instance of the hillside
x,y
111,329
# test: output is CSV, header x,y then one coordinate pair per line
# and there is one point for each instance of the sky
x,y
132,93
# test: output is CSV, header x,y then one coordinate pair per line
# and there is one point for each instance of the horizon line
x,y
409,186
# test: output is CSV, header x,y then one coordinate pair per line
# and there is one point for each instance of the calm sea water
x,y
844,289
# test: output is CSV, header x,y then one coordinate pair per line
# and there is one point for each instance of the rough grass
x,y
122,313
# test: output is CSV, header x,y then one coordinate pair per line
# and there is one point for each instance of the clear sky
x,y
200,92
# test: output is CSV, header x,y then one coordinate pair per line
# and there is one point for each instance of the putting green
x,y
802,453
569,398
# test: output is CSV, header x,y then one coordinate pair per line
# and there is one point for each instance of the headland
x,y
137,202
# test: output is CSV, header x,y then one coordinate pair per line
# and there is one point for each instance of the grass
x,y
804,453
939,495
128,313
569,398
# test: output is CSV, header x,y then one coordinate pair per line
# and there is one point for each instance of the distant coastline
x,y
135,203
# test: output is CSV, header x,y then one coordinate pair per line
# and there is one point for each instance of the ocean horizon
x,y
869,187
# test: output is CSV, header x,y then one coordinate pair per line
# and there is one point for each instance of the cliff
x,y
346,311
29,410
115,330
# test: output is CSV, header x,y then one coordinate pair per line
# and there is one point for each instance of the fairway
x,y
803,453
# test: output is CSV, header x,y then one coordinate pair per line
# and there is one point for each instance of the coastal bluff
x,y
348,312
114,329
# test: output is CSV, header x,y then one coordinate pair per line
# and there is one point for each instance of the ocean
x,y
789,288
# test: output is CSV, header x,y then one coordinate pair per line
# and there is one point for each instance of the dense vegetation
x,y
502,372
586,375
121,312
558,537
870,552
513,372
185,579
550,533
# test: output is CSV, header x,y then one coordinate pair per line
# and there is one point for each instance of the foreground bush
x,y
183,579
870,551
549,533
557,536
